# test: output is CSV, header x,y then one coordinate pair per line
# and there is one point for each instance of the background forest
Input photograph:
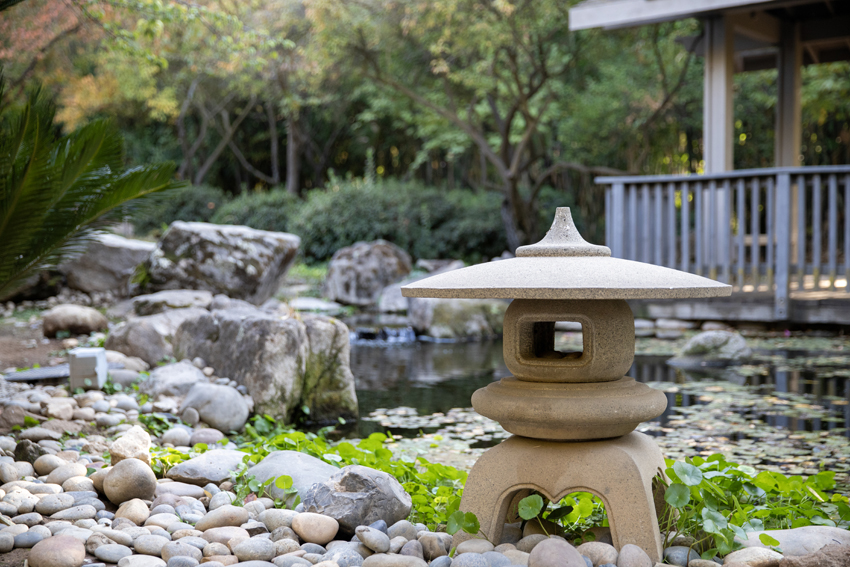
x,y
451,127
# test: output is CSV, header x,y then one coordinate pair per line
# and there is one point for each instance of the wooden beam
x,y
626,13
760,26
789,85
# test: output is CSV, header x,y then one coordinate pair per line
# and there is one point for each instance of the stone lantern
x,y
572,415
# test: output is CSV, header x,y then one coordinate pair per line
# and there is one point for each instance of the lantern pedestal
x,y
619,471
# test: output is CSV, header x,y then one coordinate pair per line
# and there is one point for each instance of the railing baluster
x,y
833,229
632,222
686,227
782,225
658,221
726,234
645,244
755,244
770,206
847,233
608,237
740,225
816,229
698,236
671,225
711,240
801,230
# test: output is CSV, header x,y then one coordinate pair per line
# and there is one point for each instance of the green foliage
x,y
56,191
189,203
155,424
714,501
427,222
530,506
265,210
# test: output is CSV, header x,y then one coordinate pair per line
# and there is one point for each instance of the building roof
x,y
627,13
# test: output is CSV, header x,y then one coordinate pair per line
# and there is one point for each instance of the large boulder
x,y
455,319
304,470
713,348
107,265
358,273
40,285
800,541
284,362
213,466
359,496
237,261
167,300
149,337
74,319
392,301
172,380
222,407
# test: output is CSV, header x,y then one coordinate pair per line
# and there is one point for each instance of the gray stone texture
x,y
358,273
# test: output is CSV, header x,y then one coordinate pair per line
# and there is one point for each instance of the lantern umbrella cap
x,y
564,266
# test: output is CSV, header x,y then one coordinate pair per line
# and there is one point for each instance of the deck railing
x,y
772,229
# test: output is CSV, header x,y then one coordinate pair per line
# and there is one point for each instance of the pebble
x,y
315,528
150,544
752,556
255,549
432,546
528,543
113,552
182,561
180,549
57,551
28,539
84,512
373,538
633,556
227,515
139,561
129,479
554,552
474,546
470,560
402,528
598,552
679,555
495,559
384,560
413,548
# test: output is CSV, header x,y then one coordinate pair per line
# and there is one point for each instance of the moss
x,y
323,391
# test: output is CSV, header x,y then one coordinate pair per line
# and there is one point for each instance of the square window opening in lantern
x,y
558,340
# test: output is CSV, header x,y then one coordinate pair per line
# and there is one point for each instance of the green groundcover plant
x,y
709,499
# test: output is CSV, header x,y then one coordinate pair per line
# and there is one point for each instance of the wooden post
x,y
782,225
717,122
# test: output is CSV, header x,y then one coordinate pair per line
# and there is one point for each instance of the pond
x,y
789,407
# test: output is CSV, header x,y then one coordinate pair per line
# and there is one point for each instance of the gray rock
x,y
470,560
554,553
124,377
161,301
357,496
108,264
633,556
129,479
304,470
715,347
358,273
444,561
801,541
150,545
212,466
112,553
172,380
292,561
254,549
306,362
457,318
181,561
344,556
237,261
402,528
76,513
180,549
222,407
679,555
28,539
414,548
177,436
374,539
384,560
432,546
207,436
495,559
76,319
138,338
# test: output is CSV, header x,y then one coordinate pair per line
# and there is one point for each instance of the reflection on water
x,y
436,377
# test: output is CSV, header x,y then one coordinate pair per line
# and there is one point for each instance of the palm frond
x,y
56,192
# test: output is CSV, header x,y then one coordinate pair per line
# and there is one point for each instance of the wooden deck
x,y
806,307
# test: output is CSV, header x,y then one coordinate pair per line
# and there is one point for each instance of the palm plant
x,y
57,191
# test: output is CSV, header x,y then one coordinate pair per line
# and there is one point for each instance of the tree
x,y
55,192
492,70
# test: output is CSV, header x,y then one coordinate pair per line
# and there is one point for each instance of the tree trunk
x,y
293,163
270,113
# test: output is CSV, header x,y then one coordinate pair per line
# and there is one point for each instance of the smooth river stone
x,y
141,561
150,545
384,560
554,553
255,549
227,515
84,512
224,535
315,528
53,503
374,539
112,553
180,549
57,551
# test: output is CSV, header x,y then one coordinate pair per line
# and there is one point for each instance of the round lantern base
x,y
619,471
569,412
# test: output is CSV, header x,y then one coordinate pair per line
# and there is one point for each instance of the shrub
x,y
190,203
426,221
268,210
